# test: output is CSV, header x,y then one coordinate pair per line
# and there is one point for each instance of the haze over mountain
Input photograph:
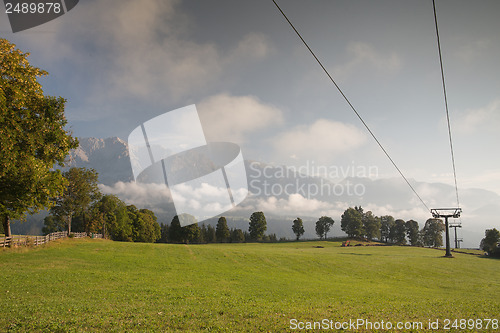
x,y
284,193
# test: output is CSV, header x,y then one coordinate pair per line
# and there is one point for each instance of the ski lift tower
x,y
457,240
446,213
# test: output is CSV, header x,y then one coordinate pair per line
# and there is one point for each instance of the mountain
x,y
109,157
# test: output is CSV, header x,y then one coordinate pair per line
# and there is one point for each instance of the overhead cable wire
x,y
446,102
349,103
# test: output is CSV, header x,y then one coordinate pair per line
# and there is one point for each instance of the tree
x,y
145,227
188,234
386,223
52,224
221,230
211,236
398,232
412,232
490,241
175,230
371,225
80,192
323,225
257,225
191,233
298,227
32,138
432,233
110,216
237,236
352,222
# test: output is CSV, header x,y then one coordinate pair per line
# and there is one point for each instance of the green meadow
x,y
78,285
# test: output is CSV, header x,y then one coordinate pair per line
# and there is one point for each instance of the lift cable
x,y
446,102
350,105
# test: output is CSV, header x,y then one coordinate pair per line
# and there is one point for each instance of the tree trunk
x,y
6,226
69,225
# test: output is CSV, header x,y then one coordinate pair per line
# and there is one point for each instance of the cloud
x,y
139,194
322,138
137,50
481,119
363,56
231,118
470,51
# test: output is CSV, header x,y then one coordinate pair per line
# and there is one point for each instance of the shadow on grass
x,y
357,254
489,257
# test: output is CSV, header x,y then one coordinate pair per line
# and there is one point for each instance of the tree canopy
x,y
298,227
432,233
352,222
80,192
490,240
323,225
257,225
221,230
32,138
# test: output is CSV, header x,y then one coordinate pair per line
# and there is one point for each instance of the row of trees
x,y
359,224
82,207
193,233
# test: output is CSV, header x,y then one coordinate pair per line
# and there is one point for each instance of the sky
x,y
122,62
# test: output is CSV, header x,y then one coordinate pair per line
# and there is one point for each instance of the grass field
x,y
99,285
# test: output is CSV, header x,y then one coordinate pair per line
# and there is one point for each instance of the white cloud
x,y
140,194
139,50
481,119
230,118
322,139
363,56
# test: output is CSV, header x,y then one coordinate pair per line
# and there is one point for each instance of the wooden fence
x,y
21,240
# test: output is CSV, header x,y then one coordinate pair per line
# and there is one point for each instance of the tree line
x,y
365,225
221,233
82,207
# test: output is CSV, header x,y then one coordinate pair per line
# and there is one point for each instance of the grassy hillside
x,y
99,285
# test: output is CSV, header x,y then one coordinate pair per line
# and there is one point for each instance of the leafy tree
x,y
432,233
352,222
371,225
32,138
53,224
102,214
412,231
145,226
81,191
221,230
110,216
386,224
490,241
298,227
191,233
323,225
398,232
257,225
